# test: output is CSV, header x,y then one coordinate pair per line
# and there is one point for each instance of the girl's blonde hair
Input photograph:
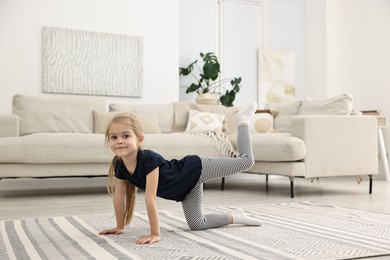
x,y
131,191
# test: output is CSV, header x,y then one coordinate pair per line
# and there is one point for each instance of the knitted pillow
x,y
204,121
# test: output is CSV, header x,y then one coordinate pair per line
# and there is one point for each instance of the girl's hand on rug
x,y
150,239
116,231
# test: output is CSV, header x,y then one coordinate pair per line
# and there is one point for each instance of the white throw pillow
x,y
338,105
262,123
203,122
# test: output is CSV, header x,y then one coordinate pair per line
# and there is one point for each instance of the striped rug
x,y
297,230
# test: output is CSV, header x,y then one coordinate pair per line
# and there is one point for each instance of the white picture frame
x,y
91,63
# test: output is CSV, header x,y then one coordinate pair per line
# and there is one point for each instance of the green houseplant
x,y
207,80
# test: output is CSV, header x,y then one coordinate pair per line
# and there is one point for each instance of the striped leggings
x,y
213,168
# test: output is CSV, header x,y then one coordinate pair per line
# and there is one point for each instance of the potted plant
x,y
207,82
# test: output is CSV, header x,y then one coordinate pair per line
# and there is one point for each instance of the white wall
x,y
365,55
315,52
21,23
241,40
366,52
348,51
197,29
285,29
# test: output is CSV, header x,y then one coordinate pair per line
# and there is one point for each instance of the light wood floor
x,y
26,198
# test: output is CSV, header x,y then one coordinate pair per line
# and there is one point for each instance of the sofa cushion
x,y
55,148
282,121
204,122
262,123
182,111
177,145
55,113
164,112
276,147
101,121
149,123
9,125
338,105
48,148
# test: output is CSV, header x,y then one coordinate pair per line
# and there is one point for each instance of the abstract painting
x,y
91,63
276,76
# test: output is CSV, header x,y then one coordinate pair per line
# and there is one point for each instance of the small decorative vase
x,y
207,99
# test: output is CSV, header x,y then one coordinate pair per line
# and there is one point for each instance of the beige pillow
x,y
149,123
282,121
338,105
164,112
262,123
55,113
204,121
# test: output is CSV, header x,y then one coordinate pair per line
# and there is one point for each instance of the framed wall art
x,y
91,63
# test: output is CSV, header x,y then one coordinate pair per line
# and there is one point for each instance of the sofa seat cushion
x,y
277,147
55,148
90,148
177,145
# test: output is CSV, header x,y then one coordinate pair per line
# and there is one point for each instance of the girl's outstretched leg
x,y
218,167
243,118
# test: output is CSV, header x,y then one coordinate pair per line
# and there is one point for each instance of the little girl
x,y
180,180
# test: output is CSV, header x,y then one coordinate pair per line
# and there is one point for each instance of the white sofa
x,y
58,136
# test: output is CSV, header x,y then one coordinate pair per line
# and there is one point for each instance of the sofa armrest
x,y
9,125
338,145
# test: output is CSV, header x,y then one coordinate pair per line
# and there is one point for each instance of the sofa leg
x,y
370,185
266,182
291,186
223,183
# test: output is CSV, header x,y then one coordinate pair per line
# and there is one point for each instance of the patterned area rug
x,y
297,230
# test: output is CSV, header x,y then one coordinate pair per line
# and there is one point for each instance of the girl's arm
x,y
151,207
119,207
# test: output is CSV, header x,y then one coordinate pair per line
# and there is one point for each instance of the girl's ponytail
x,y
131,191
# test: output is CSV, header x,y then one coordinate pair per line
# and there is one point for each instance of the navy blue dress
x,y
177,177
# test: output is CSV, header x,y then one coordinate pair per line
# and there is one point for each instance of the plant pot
x,y
207,99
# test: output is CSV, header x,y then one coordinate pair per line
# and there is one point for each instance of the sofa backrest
x,y
337,105
164,112
56,114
